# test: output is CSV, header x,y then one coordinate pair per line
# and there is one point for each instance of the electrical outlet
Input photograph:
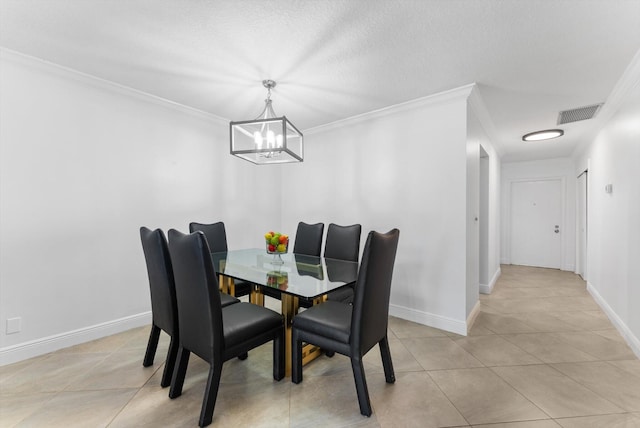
x,y
14,325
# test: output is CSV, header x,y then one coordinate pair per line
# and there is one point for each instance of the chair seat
x,y
226,300
330,319
244,320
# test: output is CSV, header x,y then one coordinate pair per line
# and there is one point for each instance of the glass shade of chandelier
x,y
267,139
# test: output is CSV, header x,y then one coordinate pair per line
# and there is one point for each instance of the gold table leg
x,y
290,306
257,296
311,352
222,283
227,285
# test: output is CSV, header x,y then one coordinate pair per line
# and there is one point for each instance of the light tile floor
x,y
541,354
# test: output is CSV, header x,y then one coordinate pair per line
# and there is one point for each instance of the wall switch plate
x,y
14,325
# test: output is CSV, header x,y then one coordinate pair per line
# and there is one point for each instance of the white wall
x,y
551,168
404,167
83,164
613,224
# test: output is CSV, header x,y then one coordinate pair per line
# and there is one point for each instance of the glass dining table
x,y
292,276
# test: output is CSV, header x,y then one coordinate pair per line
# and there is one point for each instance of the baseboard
x,y
627,334
488,288
429,319
569,268
33,348
473,315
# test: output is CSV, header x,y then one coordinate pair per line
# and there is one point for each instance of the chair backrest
x,y
199,310
371,300
309,239
215,233
343,242
161,282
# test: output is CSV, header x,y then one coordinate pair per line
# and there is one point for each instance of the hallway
x,y
541,354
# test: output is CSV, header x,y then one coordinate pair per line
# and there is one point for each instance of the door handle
x,y
557,229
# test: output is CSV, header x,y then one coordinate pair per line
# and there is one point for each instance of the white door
x,y
536,223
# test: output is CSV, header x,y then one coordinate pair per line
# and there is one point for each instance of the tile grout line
x,y
447,397
520,393
587,387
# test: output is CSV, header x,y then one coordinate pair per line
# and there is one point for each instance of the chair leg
x,y
170,363
179,373
278,355
361,385
152,345
211,393
385,353
296,357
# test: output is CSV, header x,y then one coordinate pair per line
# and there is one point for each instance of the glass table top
x,y
300,275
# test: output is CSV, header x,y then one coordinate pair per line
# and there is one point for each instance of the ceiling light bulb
x,y
271,139
543,135
257,137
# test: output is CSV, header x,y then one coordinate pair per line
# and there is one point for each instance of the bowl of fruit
x,y
277,243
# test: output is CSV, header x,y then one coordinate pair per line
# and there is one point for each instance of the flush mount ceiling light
x,y
543,135
267,139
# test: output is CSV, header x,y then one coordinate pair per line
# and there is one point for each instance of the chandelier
x,y
267,139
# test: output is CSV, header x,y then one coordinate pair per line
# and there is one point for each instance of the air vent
x,y
582,113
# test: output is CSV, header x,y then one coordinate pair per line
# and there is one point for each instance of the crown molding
x,y
435,99
108,85
625,85
630,78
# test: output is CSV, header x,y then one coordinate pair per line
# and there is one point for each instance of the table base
x,y
290,305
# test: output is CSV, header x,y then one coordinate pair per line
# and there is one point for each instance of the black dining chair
x,y
164,311
211,332
308,242
308,239
217,239
352,330
342,243
163,299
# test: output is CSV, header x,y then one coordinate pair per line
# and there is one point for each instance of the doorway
x,y
483,247
581,232
536,222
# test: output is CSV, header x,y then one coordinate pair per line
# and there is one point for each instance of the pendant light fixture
x,y
267,139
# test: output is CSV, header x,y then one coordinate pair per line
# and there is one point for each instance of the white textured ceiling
x,y
334,59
